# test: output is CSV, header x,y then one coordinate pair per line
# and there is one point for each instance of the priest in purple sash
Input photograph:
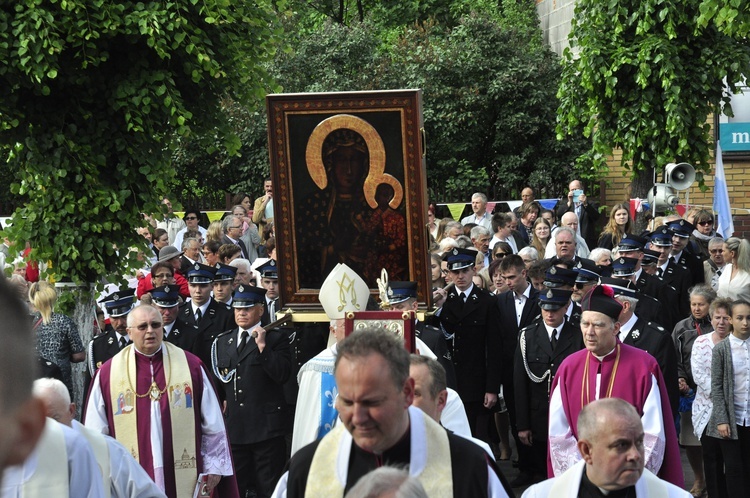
x,y
140,397
605,369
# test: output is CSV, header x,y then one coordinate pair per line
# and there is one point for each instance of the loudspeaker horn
x,y
679,176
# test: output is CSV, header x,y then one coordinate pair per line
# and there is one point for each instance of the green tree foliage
x,y
642,76
94,93
488,95
729,16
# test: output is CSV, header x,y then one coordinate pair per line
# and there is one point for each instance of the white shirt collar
x,y
203,308
626,327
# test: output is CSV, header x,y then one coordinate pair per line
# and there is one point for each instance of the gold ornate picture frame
x,y
349,187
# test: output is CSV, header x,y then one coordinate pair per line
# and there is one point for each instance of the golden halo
x,y
375,176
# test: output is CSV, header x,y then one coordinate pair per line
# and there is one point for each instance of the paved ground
x,y
510,473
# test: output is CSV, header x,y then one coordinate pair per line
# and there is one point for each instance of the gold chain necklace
x,y
153,391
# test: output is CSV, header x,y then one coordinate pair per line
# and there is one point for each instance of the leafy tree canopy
x,y
488,95
643,75
94,93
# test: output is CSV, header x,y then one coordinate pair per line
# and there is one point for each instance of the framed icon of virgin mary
x,y
348,171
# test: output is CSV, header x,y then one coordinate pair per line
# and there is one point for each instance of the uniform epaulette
x,y
222,334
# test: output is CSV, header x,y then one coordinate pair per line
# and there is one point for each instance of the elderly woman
x,y
684,335
700,366
57,338
601,256
529,256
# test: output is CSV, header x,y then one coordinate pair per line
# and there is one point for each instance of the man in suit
x,y
469,317
211,317
232,227
269,280
648,336
479,215
166,299
191,254
252,365
402,296
587,212
542,346
681,253
518,307
115,337
670,272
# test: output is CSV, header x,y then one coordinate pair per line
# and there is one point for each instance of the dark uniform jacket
x,y
183,335
694,264
655,287
218,318
267,318
101,348
657,342
679,278
256,408
532,398
475,344
434,339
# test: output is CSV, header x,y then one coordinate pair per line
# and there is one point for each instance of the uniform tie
x,y
553,339
272,310
462,296
198,316
243,341
659,272
123,343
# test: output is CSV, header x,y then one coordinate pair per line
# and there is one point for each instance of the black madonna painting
x,y
348,171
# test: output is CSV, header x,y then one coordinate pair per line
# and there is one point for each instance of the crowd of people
x,y
586,358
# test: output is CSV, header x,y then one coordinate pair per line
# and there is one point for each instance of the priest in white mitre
x,y
343,291
158,401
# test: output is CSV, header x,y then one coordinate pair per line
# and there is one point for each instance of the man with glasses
x,y
191,254
192,216
232,226
252,365
713,267
166,271
156,389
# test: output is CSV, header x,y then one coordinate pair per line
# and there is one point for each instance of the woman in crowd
x,y
684,335
501,250
228,252
159,239
210,252
730,421
436,272
601,256
529,213
541,235
432,225
441,230
703,220
244,200
57,337
529,256
496,277
700,366
734,282
618,226
214,232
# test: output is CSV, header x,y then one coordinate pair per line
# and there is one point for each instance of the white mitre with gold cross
x,y
342,291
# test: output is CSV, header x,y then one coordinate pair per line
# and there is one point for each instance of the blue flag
x,y
724,225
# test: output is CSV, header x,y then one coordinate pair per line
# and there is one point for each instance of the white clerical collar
x,y
147,355
600,358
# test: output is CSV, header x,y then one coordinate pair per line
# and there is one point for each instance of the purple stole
x,y
632,383
143,412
